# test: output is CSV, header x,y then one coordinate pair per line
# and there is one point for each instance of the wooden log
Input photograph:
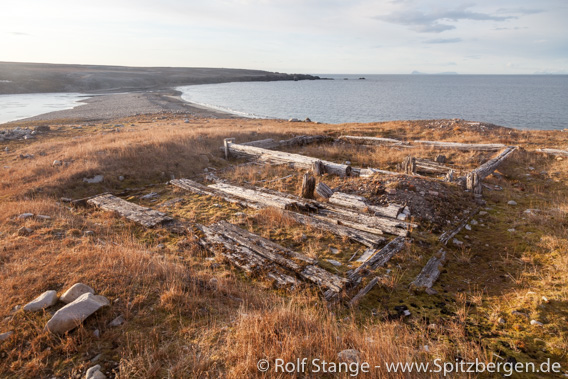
x,y
141,215
364,291
308,186
317,168
226,143
372,140
473,183
379,258
449,234
323,190
409,165
559,152
368,172
268,143
488,167
360,203
200,189
461,146
428,166
431,271
303,140
279,157
269,200
368,239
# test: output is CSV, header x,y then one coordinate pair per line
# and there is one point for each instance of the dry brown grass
x,y
180,324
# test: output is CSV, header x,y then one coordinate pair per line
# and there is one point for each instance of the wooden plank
x,y
431,271
559,152
268,143
269,200
360,203
200,189
278,157
323,190
379,258
141,215
364,291
372,140
461,146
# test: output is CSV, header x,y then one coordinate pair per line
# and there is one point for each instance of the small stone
x,y
5,336
45,300
56,163
431,291
348,356
348,163
94,180
434,193
545,299
334,250
468,227
536,323
77,290
24,216
473,222
160,246
406,313
334,262
293,120
23,231
501,320
512,202
73,314
214,282
95,373
116,322
512,230
531,168
96,333
120,178
88,233
457,242
482,213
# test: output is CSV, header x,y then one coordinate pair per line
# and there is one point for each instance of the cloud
x,y
523,11
514,28
19,34
436,21
443,40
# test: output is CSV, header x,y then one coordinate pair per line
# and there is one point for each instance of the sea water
x,y
16,107
518,101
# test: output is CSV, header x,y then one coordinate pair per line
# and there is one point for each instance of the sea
x,y
517,101
17,107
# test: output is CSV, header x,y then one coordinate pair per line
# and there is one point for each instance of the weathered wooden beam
x,y
461,146
141,215
365,290
488,167
409,165
563,153
200,189
473,183
378,258
368,172
429,166
323,190
431,271
278,157
268,143
253,195
372,140
360,203
303,140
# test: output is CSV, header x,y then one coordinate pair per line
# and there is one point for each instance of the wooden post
x,y
317,168
440,158
449,176
324,191
226,143
473,183
409,165
308,186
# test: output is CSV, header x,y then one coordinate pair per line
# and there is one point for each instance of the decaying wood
x,y
279,157
440,158
378,258
360,203
317,168
323,190
473,183
226,143
308,186
269,200
269,256
449,234
372,140
368,239
449,176
431,271
563,153
488,167
461,146
425,165
368,172
141,215
268,143
365,290
362,237
303,140
409,165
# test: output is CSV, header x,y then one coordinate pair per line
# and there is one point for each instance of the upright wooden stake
x,y
409,165
226,143
317,168
308,186
473,183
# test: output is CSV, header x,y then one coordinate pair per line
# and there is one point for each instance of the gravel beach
x,y
114,106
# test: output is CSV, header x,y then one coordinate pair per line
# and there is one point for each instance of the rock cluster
x,y
22,133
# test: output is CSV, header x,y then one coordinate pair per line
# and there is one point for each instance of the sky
x,y
294,36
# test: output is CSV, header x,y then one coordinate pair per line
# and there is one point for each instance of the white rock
x,y
536,323
474,222
46,299
512,230
56,163
482,213
468,227
334,250
96,333
73,314
76,290
293,120
348,355
121,178
512,202
5,336
457,242
95,373
116,322
95,179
